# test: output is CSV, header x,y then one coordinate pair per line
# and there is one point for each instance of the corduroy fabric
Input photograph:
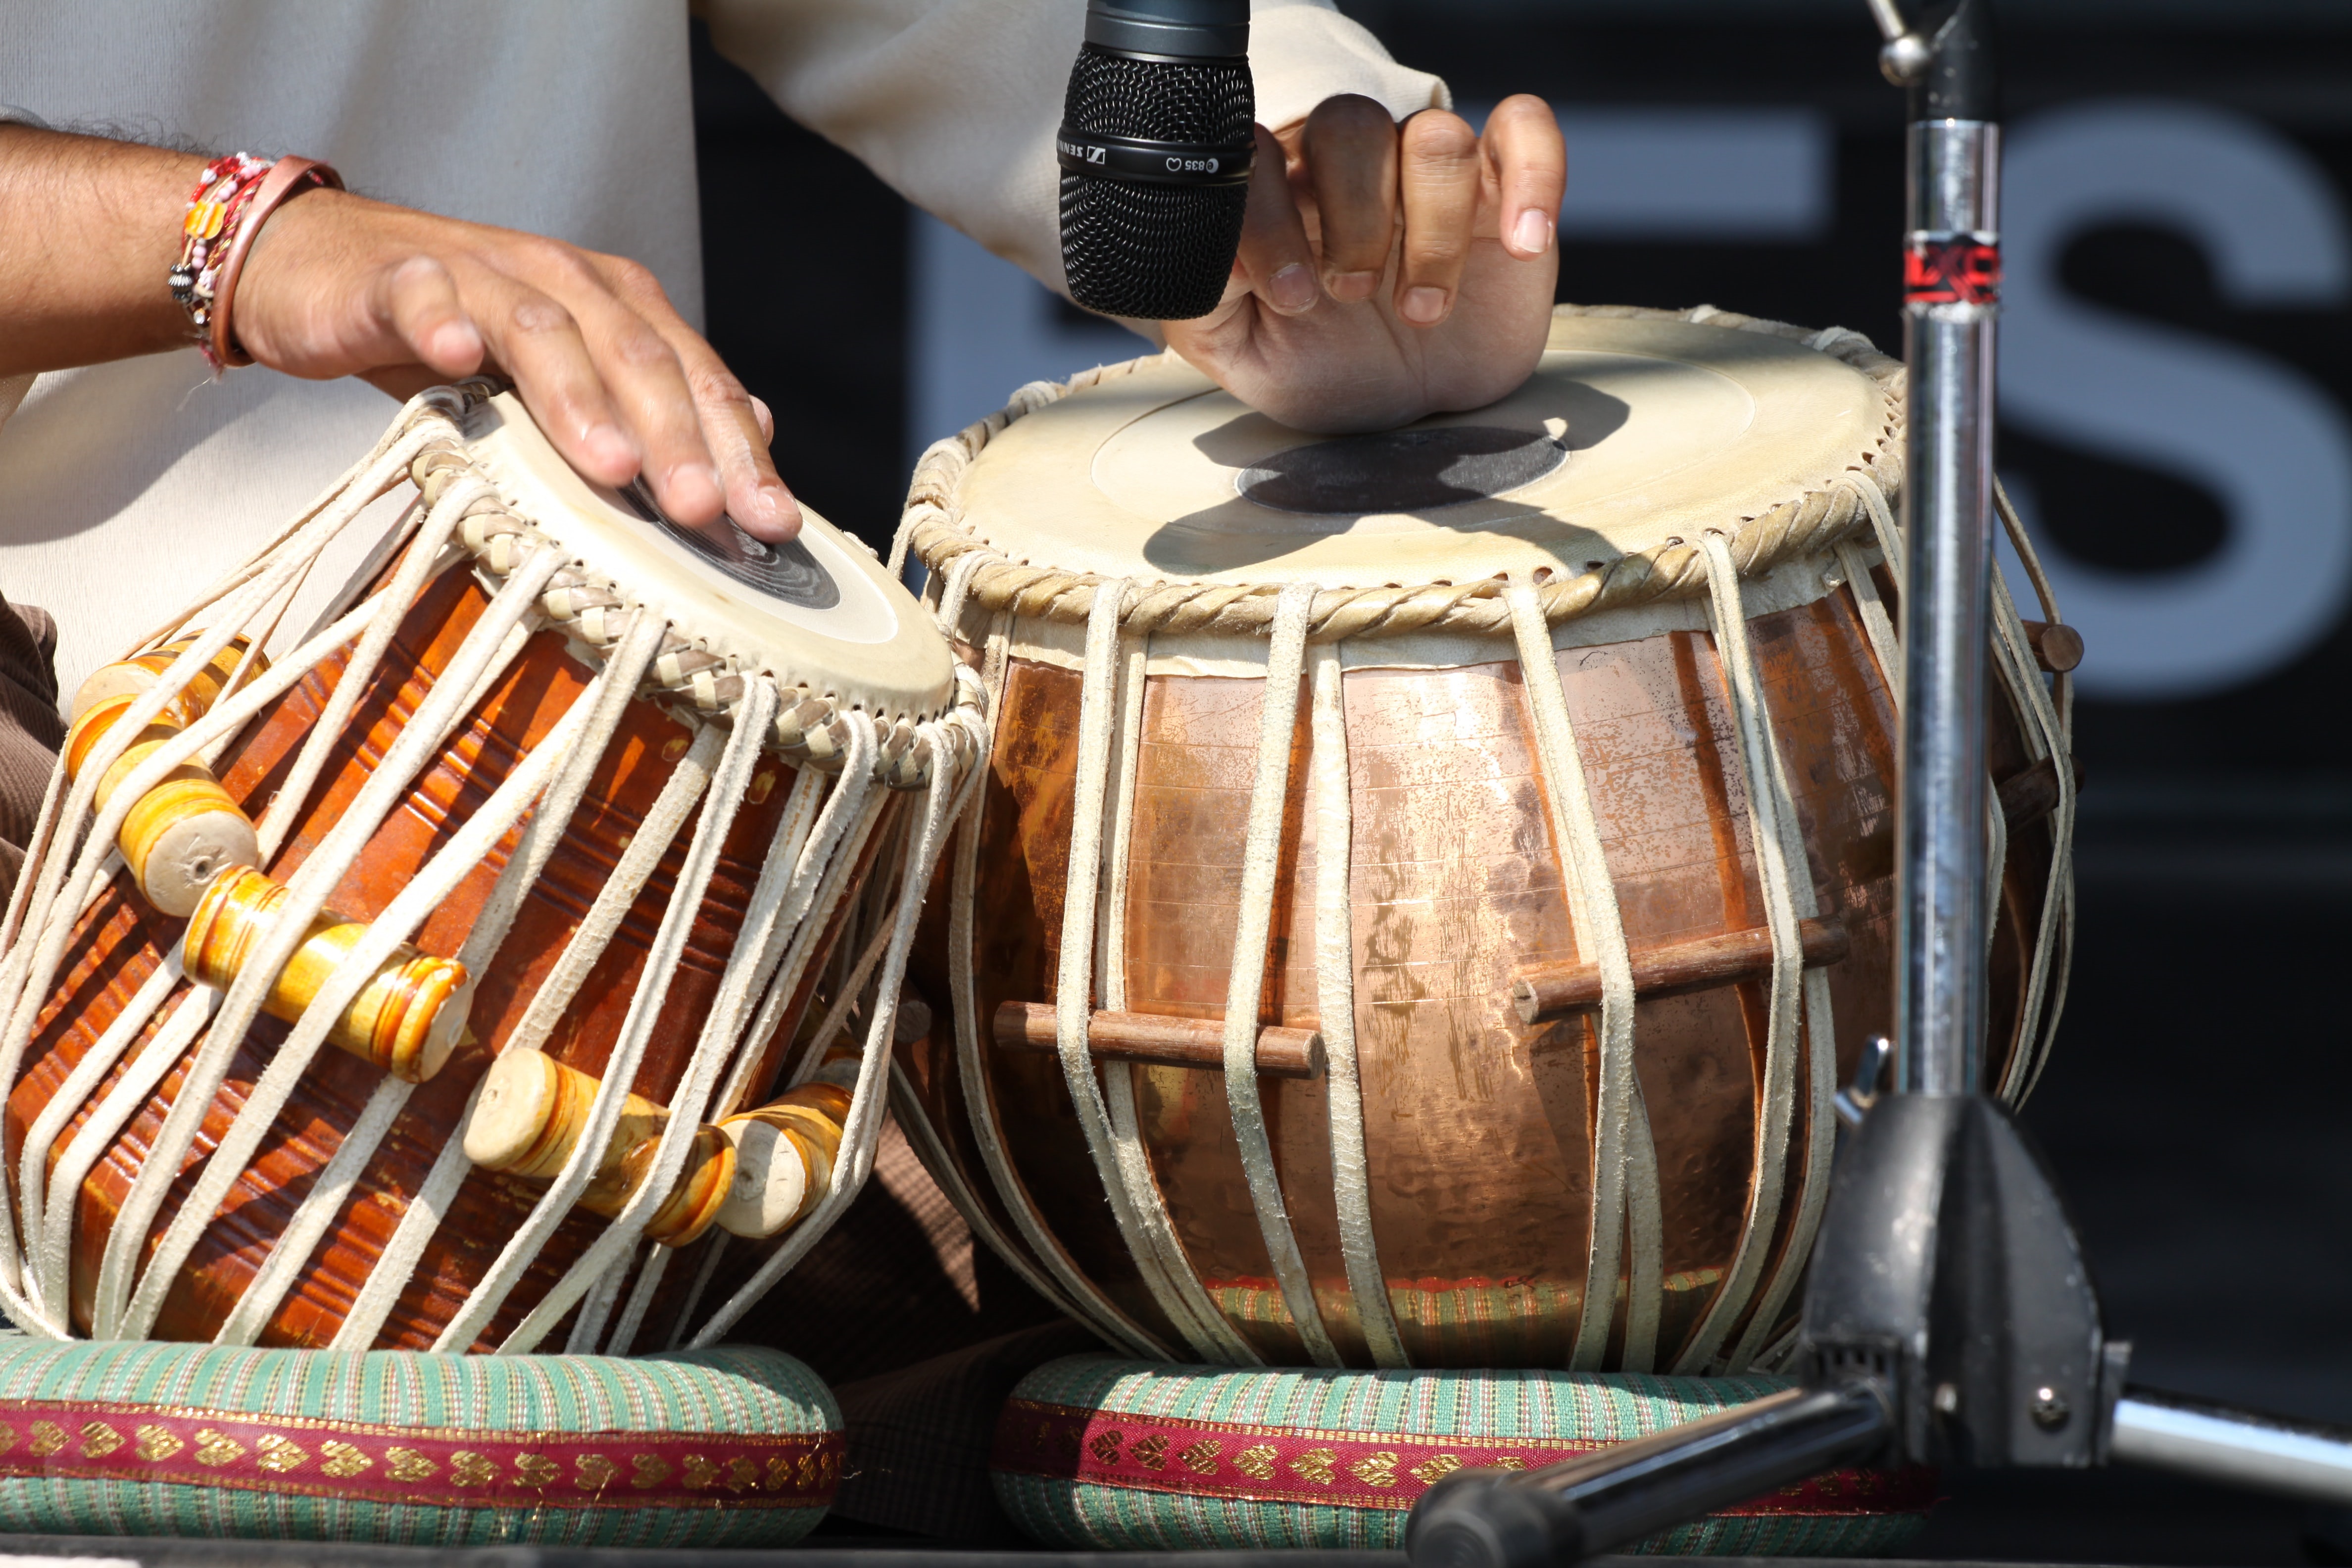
x,y
733,1447
1097,1452
31,730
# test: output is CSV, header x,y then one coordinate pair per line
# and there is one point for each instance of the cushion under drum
x,y
1093,1451
733,1447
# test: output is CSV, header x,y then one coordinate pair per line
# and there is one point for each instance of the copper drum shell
x,y
1478,1127
120,942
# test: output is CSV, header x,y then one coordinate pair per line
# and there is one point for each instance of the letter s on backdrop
x,y
2258,434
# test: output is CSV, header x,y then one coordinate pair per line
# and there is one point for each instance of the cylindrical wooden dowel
x,y
1163,1041
1557,990
133,677
180,834
402,1020
785,1153
531,1115
2057,647
2032,794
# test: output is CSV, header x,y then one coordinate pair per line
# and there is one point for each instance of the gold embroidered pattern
x,y
47,1438
536,1469
158,1443
468,1469
344,1461
8,1438
1152,1452
652,1469
596,1472
1201,1458
699,1472
813,1466
1105,1446
740,1474
1377,1469
98,1439
408,1464
1510,1462
779,1473
1436,1468
1316,1465
279,1455
217,1449
1256,1461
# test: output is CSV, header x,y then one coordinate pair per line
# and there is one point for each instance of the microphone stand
x,y
1949,1317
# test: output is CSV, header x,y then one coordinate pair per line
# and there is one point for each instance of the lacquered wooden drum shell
x,y
121,941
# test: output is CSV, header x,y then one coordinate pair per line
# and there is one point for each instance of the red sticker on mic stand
x,y
1956,271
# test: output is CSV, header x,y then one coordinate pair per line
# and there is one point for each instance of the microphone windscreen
x,y
1157,250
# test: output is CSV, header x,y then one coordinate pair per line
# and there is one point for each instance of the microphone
x,y
1155,146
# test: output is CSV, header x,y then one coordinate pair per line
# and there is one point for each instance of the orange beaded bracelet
x,y
233,198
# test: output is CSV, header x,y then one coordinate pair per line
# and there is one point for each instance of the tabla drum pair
x,y
1428,886
453,980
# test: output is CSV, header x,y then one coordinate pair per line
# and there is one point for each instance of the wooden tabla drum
x,y
1428,886
437,985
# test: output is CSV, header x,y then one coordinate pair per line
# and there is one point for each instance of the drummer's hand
x,y
339,285
1388,272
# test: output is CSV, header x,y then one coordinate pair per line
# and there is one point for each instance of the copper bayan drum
x,y
1430,883
422,987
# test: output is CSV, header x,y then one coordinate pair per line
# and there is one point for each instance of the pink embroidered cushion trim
x,y
427,1465
1345,1469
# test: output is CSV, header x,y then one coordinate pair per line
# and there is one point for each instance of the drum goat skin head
x,y
1451,1162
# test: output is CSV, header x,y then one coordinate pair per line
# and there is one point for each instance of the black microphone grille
x,y
1154,253
1155,158
1208,101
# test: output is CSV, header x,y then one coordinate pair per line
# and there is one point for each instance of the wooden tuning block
x,y
187,830
529,1118
784,1154
404,1020
755,1174
135,676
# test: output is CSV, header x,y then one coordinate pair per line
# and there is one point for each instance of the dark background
x,y
2196,1107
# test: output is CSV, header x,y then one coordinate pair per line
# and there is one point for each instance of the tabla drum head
x,y
818,611
1633,434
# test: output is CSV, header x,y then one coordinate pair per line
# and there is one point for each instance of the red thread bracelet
x,y
233,198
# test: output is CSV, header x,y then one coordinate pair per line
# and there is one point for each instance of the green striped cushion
x,y
1094,1452
730,1447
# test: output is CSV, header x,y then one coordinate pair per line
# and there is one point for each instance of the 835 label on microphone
x,y
1152,162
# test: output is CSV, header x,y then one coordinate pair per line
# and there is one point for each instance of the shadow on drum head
x,y
1328,484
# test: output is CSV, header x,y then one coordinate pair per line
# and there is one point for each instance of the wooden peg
x,y
785,1153
133,677
2032,794
1163,1041
1557,990
402,1020
180,834
531,1115
2057,647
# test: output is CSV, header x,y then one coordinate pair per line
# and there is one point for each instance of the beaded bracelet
x,y
233,198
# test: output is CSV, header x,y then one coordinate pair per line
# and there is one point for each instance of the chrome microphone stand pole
x,y
1952,301
1949,1314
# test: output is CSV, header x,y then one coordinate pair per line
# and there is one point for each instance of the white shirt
x,y
124,488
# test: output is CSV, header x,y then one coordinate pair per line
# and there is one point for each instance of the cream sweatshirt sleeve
x,y
955,103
